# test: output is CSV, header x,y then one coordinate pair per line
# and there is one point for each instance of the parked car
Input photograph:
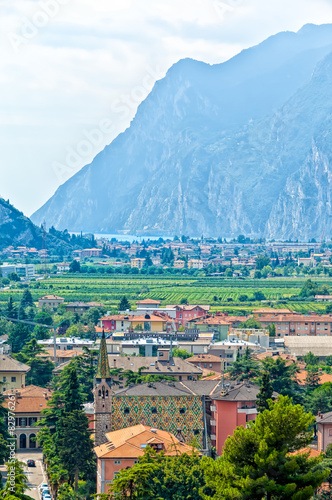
x,y
31,463
43,486
47,496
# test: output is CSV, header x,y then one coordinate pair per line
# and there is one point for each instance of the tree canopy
x,y
259,462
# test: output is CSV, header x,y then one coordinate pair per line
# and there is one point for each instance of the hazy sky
x,y
72,72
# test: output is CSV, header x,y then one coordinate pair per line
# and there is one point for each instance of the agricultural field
x,y
215,291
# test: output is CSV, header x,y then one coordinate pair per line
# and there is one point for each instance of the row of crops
x,y
170,290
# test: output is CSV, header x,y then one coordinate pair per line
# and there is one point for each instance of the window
x,y
32,420
13,379
4,379
115,474
196,432
126,411
153,409
330,432
23,422
117,462
182,410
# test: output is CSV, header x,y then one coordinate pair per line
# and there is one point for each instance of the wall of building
x,y
324,436
10,384
169,416
228,416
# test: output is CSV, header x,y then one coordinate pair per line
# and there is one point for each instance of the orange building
x,y
123,447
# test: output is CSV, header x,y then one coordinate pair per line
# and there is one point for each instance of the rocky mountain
x,y
17,230
238,147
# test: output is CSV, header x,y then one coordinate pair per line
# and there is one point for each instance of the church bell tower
x,y
102,395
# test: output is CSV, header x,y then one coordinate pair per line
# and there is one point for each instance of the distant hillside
x,y
16,229
242,147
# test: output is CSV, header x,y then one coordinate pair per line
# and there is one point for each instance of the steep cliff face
x,y
215,150
16,229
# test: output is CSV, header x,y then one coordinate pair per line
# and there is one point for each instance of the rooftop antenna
x,y
224,390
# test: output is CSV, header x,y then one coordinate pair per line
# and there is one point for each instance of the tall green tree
x,y
75,267
258,462
311,359
282,375
262,261
312,379
41,369
244,367
27,300
157,476
319,400
18,337
124,304
65,436
265,393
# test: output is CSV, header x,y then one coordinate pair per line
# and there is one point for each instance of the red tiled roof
x,y
127,442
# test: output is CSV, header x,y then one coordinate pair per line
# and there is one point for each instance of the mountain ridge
x,y
204,157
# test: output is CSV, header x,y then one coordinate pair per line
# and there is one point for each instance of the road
x,y
35,475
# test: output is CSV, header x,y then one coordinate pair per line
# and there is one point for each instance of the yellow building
x,y
179,264
12,373
148,322
137,263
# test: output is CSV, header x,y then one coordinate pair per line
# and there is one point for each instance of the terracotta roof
x,y
271,311
148,301
8,364
199,358
270,354
323,377
213,321
297,318
61,353
78,304
312,452
31,399
216,376
51,297
131,441
324,418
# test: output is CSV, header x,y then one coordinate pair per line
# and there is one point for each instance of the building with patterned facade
x,y
202,412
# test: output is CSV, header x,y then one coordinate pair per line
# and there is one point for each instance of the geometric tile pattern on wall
x,y
168,413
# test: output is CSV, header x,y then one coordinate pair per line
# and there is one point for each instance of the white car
x,y
47,496
43,486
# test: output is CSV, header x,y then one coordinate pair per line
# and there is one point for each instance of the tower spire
x,y
103,369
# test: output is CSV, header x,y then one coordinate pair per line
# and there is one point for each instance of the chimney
x,y
45,395
163,354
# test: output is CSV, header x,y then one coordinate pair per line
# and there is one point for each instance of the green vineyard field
x,y
171,290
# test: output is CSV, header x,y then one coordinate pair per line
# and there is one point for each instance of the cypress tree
x,y
265,393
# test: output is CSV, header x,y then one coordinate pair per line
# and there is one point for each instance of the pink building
x,y
185,313
232,406
324,430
